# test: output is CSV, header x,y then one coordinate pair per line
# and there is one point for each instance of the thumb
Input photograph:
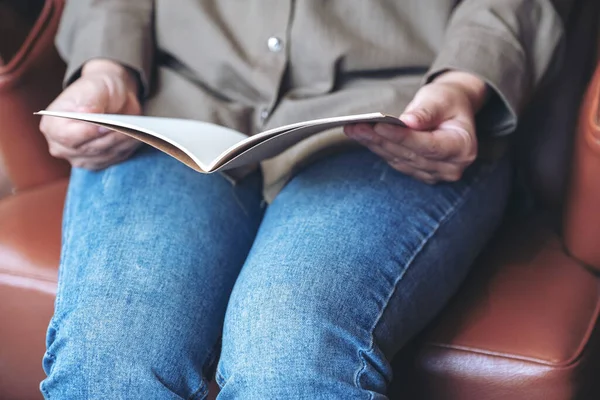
x,y
87,95
132,105
422,116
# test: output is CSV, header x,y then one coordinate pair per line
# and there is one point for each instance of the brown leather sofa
x,y
523,326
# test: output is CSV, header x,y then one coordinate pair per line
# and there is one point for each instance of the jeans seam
x,y
52,325
203,388
200,393
66,236
461,200
44,391
221,381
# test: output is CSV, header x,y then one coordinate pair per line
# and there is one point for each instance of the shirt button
x,y
275,44
264,114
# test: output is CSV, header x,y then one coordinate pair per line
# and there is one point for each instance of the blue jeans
x,y
164,271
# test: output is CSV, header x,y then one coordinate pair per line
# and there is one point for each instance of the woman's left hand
x,y
439,142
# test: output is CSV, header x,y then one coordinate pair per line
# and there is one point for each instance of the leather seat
x,y
29,253
523,326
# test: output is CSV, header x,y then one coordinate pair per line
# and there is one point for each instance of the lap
x,y
151,250
350,260
355,254
141,222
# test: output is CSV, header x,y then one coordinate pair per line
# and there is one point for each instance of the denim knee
x,y
289,341
91,356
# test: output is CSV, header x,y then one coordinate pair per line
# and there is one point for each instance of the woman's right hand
x,y
104,87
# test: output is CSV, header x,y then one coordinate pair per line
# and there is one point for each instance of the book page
x,y
208,147
192,142
274,143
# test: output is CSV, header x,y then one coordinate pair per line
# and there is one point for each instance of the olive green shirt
x,y
256,64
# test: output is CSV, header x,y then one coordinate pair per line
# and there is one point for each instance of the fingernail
x,y
102,130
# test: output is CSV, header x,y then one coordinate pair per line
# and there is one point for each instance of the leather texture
x,y
29,81
523,326
30,225
582,215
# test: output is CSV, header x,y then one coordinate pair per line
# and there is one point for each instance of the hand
x,y
104,87
439,142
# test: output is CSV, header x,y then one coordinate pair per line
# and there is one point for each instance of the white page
x,y
271,146
203,142
274,136
207,147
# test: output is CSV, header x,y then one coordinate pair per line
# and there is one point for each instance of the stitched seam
x,y
460,201
200,393
220,379
52,359
66,236
202,390
44,390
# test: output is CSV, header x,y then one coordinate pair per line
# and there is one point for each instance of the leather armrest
x,y
582,212
29,81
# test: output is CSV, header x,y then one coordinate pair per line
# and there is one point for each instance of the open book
x,y
208,147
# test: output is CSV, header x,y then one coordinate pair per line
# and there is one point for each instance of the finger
x,y
428,171
408,170
69,133
362,133
425,177
429,177
450,172
439,144
427,110
381,152
103,144
96,163
423,118
393,152
440,170
97,148
407,154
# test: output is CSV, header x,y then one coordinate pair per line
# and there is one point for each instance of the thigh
x,y
351,260
151,250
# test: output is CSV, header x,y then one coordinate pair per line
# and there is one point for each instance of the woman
x,y
367,232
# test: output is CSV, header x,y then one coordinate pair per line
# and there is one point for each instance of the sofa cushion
x,y
523,326
30,224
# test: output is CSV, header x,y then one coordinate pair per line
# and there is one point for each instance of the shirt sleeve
x,y
118,30
510,44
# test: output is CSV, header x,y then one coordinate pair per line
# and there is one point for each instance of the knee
x,y
286,344
111,358
296,324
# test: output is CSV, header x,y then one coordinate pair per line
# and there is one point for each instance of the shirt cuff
x,y
497,62
120,37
